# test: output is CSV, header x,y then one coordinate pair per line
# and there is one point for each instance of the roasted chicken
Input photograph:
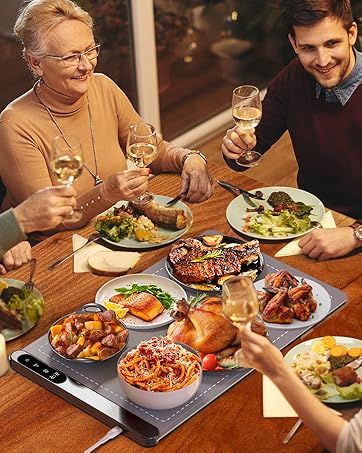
x,y
187,259
285,298
204,327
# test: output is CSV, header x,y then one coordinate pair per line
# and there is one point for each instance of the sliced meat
x,y
107,316
73,350
110,341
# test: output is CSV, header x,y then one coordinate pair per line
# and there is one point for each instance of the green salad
x,y
287,217
25,303
277,225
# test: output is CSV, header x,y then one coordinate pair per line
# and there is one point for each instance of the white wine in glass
x,y
67,164
240,306
142,150
247,111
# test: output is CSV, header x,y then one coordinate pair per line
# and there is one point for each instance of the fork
x,y
29,285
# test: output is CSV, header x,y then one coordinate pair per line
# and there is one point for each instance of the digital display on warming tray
x,y
44,370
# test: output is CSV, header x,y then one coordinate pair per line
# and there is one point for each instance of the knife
x,y
238,191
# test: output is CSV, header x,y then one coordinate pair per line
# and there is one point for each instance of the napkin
x,y
292,248
80,259
274,403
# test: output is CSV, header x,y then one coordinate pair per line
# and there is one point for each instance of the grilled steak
x,y
232,260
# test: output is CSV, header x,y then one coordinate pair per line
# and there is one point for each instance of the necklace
x,y
96,177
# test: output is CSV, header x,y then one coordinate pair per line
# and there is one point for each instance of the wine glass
x,y
246,110
240,306
67,164
142,149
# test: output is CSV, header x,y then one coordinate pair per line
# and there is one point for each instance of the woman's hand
x,y
260,353
196,181
46,208
126,185
236,141
15,257
325,243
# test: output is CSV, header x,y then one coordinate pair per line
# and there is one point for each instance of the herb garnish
x,y
209,255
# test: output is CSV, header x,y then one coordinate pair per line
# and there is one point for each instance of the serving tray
x,y
95,387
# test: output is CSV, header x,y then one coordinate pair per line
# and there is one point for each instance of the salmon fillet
x,y
143,305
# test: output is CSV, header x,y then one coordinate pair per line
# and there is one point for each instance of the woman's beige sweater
x,y
27,132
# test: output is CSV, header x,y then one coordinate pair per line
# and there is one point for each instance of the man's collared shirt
x,y
342,92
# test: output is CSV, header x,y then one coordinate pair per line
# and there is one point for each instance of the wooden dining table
x,y
35,420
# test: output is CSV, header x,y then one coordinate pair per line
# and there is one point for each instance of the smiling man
x,y
317,98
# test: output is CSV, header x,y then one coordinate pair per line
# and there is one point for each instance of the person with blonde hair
x,y
70,99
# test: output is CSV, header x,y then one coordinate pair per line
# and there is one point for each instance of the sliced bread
x,y
112,263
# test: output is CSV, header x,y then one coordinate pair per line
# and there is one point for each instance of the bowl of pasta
x,y
159,374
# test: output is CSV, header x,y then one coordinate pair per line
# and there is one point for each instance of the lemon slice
x,y
118,309
3,285
111,305
318,348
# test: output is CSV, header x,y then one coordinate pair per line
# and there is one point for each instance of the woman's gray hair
x,y
38,17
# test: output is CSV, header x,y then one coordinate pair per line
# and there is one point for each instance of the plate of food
x,y
288,302
330,367
135,225
285,213
20,309
143,301
200,324
205,262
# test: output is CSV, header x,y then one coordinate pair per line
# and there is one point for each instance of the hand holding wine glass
x,y
240,305
142,150
247,111
67,163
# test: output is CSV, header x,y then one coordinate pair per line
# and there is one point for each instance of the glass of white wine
x,y
67,164
142,149
246,110
240,306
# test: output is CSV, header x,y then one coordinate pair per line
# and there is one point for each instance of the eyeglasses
x,y
75,58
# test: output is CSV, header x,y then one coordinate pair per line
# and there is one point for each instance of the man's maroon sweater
x,y
326,137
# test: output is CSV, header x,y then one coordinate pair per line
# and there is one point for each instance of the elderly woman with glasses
x,y
70,99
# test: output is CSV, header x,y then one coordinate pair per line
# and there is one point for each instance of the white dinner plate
x,y
132,322
172,235
11,334
236,210
305,347
322,298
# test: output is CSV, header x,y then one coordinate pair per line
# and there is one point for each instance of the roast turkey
x,y
204,327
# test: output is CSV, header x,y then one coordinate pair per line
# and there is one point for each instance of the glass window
x,y
207,48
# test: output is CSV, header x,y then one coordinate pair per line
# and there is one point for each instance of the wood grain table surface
x,y
35,420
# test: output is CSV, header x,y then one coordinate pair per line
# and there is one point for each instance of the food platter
x,y
172,235
255,266
10,334
322,298
305,347
132,322
237,209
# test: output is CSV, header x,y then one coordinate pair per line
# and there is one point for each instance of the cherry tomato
x,y
201,355
209,362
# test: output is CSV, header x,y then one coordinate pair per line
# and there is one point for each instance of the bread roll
x,y
112,263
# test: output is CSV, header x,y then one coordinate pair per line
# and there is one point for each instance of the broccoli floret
x,y
280,197
8,293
